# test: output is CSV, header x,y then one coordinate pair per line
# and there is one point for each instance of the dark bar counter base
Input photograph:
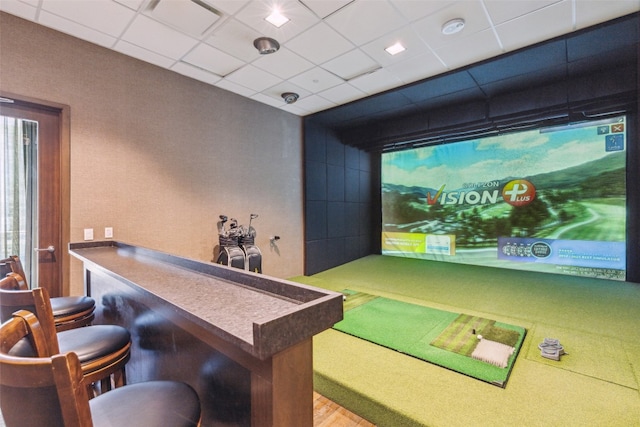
x,y
242,340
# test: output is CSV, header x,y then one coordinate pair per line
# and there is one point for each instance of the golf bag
x,y
252,254
229,252
237,248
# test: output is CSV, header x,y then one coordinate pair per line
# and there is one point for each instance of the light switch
x,y
88,234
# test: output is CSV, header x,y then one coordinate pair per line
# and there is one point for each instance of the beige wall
x,y
158,156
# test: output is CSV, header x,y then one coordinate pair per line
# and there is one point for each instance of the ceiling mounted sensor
x,y
453,26
266,45
290,97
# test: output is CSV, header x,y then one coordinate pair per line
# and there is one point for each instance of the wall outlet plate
x,y
108,232
88,234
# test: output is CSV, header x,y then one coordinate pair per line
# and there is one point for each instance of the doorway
x,y
34,221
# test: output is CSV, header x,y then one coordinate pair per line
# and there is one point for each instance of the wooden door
x,y
50,211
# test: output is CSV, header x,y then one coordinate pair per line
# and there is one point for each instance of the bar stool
x,y
49,391
103,350
68,312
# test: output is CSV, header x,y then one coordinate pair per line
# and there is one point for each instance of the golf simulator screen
x,y
549,200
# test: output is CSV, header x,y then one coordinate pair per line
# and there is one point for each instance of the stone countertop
x,y
260,314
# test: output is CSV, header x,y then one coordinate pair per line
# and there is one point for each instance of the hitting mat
x,y
446,339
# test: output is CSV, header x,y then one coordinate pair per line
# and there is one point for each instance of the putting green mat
x,y
440,337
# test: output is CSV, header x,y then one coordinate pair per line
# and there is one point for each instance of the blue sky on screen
x,y
514,155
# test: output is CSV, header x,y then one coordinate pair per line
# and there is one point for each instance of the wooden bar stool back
x,y
69,312
50,391
103,350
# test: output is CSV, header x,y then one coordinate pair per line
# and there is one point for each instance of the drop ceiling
x,y
332,51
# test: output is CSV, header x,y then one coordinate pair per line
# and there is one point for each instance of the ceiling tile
x,y
317,55
269,100
470,49
253,78
283,63
236,39
229,7
188,17
195,73
211,59
376,81
102,15
300,17
226,84
363,21
342,94
131,4
34,3
319,44
76,30
505,10
19,9
143,54
153,36
545,23
324,8
294,109
413,10
351,64
417,68
314,103
316,80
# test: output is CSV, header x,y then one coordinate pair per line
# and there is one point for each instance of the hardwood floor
x,y
327,413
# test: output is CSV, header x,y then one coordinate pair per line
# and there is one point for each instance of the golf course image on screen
x,y
548,199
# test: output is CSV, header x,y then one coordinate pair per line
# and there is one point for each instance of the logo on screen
x,y
518,192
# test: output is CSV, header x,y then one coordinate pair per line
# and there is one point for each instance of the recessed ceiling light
x,y
395,49
277,19
453,26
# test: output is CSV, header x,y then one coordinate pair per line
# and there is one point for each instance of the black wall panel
x,y
338,201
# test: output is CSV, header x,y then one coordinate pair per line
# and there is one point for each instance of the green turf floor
x,y
444,338
595,384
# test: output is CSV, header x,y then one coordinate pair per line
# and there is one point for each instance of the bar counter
x,y
242,340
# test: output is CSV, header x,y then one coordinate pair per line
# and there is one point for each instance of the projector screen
x,y
550,200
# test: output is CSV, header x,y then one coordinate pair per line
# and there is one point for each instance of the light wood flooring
x,y
327,413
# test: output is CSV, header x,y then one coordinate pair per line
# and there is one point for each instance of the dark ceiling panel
x,y
611,47
438,86
602,39
386,102
558,72
535,59
468,95
610,60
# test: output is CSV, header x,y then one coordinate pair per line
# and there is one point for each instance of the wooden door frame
x,y
65,184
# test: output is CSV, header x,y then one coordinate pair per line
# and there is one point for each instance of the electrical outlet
x,y
108,232
88,234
